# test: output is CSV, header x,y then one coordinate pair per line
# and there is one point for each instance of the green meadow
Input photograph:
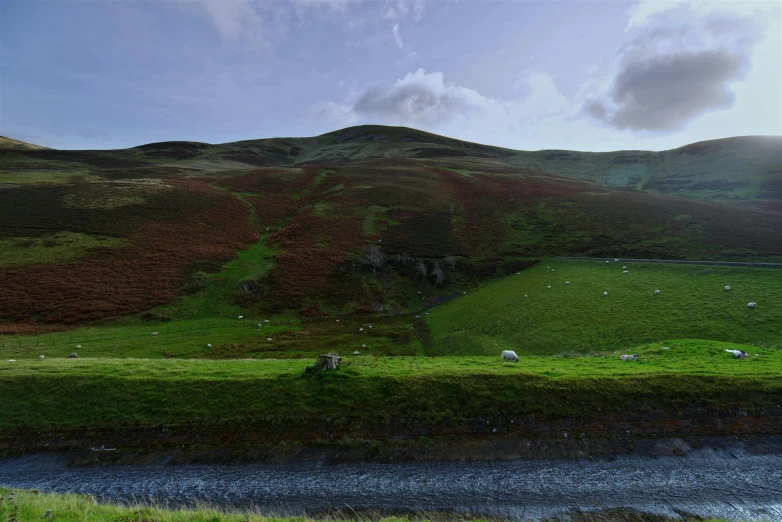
x,y
522,313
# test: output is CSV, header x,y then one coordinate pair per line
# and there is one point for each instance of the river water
x,y
724,484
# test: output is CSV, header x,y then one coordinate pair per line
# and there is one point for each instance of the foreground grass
x,y
24,505
692,304
376,391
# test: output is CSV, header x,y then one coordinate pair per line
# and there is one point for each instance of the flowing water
x,y
724,484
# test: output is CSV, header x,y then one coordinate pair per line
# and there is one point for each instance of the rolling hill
x,y
12,144
106,234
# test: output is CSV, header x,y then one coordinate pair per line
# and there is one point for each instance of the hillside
x,y
746,170
107,234
11,144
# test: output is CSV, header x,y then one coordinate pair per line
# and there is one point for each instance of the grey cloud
x,y
675,69
663,93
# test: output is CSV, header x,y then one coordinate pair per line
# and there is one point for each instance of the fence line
x,y
675,261
118,335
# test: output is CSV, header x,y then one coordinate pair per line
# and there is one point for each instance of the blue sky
x,y
529,75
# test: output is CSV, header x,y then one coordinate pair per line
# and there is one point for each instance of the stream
x,y
717,483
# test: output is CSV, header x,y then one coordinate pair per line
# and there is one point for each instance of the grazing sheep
x,y
269,339
360,329
11,360
628,357
608,261
417,316
525,295
752,304
371,325
41,357
625,271
355,353
208,345
78,346
72,356
240,317
656,292
727,288
738,354
549,286
509,355
605,294
265,320
260,325
567,282
154,333
616,259
363,345
623,266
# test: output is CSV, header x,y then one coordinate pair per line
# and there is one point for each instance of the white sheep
x,y
509,355
738,354
78,346
72,356
240,317
360,329
42,357
260,325
363,345
605,294
525,295
371,325
656,292
269,339
549,286
616,259
208,345
629,357
265,320
11,360
154,333
727,288
567,282
355,352
608,261
625,271
623,266
752,304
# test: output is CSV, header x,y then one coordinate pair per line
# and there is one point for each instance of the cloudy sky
x,y
582,74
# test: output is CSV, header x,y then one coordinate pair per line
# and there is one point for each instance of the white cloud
x,y
425,100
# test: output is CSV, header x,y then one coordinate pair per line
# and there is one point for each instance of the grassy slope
x,y
9,143
740,169
577,317
374,392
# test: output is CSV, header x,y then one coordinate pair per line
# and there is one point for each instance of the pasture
x,y
577,317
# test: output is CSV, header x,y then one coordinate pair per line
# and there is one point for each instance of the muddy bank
x,y
732,483
393,451
487,438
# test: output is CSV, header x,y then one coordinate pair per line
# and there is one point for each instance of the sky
x,y
580,75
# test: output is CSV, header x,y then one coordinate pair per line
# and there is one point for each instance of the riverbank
x,y
689,388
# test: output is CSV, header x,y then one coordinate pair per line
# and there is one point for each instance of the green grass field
x,y
106,393
577,317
